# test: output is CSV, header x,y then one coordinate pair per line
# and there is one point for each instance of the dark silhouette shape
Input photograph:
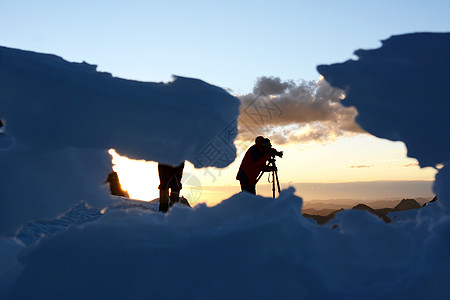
x,y
185,202
114,185
170,179
254,162
432,200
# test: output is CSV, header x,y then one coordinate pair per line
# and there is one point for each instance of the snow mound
x,y
33,232
406,82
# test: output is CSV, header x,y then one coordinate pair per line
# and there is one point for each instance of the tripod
x,y
274,175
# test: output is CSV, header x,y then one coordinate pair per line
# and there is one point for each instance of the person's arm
x,y
258,158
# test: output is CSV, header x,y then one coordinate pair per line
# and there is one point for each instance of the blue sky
x,y
227,43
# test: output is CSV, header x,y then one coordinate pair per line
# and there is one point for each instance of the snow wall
x,y
60,118
250,247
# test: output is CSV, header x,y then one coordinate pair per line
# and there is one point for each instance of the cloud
x,y
415,165
289,111
408,165
360,166
272,85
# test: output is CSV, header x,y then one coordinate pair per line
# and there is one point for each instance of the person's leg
x,y
247,187
175,184
252,188
174,197
164,176
163,200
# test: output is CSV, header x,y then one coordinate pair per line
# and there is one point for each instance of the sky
x,y
231,44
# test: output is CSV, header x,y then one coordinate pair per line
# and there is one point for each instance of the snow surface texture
x,y
250,247
64,116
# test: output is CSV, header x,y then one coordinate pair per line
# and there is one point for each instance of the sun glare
x,y
138,177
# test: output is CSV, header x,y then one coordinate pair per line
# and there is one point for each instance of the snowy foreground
x,y
247,247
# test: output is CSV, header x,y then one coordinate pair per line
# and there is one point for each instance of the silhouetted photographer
x,y
255,164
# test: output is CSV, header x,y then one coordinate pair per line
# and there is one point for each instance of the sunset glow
x,y
138,177
351,159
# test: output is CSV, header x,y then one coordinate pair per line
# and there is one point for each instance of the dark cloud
x,y
288,111
272,85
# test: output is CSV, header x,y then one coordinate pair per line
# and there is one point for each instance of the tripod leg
x,y
259,176
273,184
278,182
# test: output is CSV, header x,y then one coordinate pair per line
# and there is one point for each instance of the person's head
x,y
266,145
258,140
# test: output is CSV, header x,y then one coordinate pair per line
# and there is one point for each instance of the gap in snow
x,y
141,179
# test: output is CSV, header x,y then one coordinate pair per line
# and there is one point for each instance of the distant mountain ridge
x,y
405,204
335,204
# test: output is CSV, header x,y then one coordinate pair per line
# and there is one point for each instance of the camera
x,y
273,152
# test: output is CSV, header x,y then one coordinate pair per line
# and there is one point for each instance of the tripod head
x,y
274,171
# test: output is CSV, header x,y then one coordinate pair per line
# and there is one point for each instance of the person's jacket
x,y
254,162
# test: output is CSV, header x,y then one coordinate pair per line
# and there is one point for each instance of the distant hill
x,y
381,213
319,212
407,204
323,219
